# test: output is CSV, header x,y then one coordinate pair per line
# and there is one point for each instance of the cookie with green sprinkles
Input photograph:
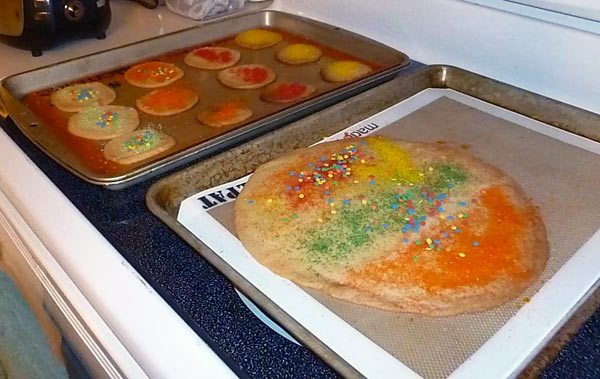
x,y
105,122
401,226
137,145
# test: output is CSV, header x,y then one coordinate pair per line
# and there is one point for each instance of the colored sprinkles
x,y
404,200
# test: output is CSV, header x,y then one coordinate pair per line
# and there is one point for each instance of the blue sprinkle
x,y
323,158
346,201
327,192
404,230
288,188
398,196
457,230
475,243
354,150
416,229
411,211
310,165
405,240
330,200
442,196
372,181
445,234
422,218
386,226
251,202
408,227
450,185
318,168
367,227
441,209
395,206
301,175
364,143
292,173
463,203
297,188
424,195
437,242
450,217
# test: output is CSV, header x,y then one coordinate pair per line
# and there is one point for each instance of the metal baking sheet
x,y
500,340
26,95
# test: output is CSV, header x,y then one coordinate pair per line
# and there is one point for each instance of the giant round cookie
x,y
401,226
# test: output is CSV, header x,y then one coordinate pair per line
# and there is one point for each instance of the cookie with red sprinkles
x,y
285,92
248,76
212,58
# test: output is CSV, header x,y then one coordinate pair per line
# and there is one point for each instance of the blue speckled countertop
x,y
207,301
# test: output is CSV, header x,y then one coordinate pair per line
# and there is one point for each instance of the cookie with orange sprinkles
x,y
400,226
153,74
167,101
225,114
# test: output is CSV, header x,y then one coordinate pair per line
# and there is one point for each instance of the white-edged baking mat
x,y
559,171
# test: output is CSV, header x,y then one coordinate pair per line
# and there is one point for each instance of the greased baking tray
x,y
497,123
26,95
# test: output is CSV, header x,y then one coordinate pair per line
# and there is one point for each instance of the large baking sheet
x,y
27,95
435,347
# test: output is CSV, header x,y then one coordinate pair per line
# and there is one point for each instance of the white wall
x,y
550,59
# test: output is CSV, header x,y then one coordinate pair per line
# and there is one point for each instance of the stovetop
x,y
207,301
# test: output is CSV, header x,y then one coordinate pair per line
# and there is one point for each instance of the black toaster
x,y
41,24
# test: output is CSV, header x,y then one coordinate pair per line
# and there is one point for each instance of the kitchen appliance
x,y
41,24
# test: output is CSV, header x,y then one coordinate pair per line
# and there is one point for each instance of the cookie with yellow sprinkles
x,y
256,39
341,71
400,226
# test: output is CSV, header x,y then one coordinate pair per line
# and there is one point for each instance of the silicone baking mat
x,y
561,178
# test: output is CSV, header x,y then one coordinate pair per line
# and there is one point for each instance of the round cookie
x,y
137,145
285,92
167,101
257,39
103,122
341,71
212,58
248,76
225,114
401,226
79,96
153,74
299,53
